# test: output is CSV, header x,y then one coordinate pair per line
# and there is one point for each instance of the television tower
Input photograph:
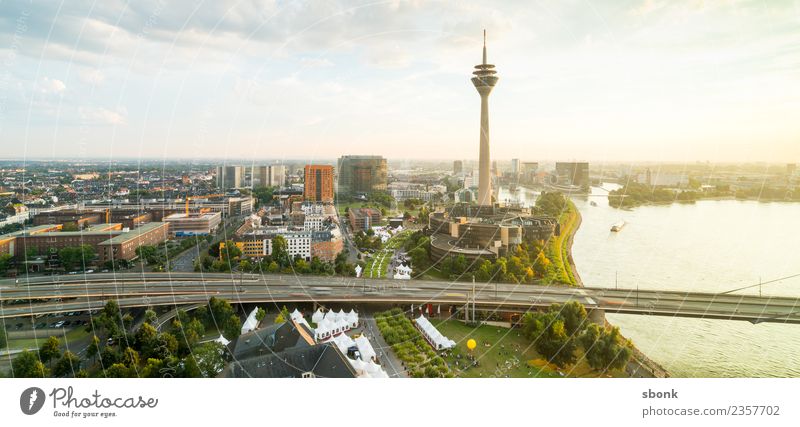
x,y
484,82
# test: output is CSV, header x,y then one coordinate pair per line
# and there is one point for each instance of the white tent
x,y
222,340
365,348
343,342
437,340
251,323
402,272
296,315
318,316
352,318
332,316
324,330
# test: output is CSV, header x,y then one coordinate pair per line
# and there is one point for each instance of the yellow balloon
x,y
471,344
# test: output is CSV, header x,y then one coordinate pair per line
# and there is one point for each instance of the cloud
x,y
50,86
102,116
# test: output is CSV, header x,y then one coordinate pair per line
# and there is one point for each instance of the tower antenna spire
x,y
484,46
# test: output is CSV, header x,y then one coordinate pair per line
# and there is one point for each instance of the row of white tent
x,y
439,341
333,323
251,323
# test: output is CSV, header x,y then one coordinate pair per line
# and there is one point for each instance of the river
x,y
710,246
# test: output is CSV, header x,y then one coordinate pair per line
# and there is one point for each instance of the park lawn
x,y
519,358
378,265
515,348
35,343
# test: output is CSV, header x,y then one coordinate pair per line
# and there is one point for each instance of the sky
x,y
611,80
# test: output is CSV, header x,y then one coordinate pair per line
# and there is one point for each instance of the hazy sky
x,y
584,80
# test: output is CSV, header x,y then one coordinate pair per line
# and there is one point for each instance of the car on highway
x,y
58,324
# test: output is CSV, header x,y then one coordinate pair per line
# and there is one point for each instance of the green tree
x,y
550,338
94,348
232,328
574,315
130,358
5,263
280,250
604,348
208,357
261,314
72,257
28,365
145,340
50,350
283,316
150,317
68,364
117,370
230,251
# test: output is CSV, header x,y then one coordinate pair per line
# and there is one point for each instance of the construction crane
x,y
206,196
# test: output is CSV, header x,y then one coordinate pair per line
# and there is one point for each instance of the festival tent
x,y
352,318
296,315
222,340
318,316
251,323
439,341
365,348
323,330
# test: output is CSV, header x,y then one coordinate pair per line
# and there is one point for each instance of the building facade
x,y
362,174
318,184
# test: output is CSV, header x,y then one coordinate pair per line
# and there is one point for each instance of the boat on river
x,y
617,226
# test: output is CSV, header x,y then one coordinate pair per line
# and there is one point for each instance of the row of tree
x,y
558,334
145,352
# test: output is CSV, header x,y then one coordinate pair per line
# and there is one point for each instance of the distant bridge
x,y
60,294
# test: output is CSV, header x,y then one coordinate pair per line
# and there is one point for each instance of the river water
x,y
712,246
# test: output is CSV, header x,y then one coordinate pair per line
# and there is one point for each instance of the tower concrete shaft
x,y
484,81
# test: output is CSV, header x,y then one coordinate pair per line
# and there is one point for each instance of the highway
x,y
76,293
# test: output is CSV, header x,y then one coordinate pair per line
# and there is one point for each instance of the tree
x,y
68,364
130,358
229,251
117,370
283,316
49,350
574,316
150,317
261,314
5,263
280,250
605,348
208,357
145,340
3,337
94,348
28,365
76,256
232,328
550,338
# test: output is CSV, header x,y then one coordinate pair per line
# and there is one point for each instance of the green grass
x,y
33,343
508,353
378,265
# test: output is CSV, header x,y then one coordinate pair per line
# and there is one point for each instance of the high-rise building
x,y
318,185
230,177
458,167
573,173
485,79
362,174
277,175
515,166
260,176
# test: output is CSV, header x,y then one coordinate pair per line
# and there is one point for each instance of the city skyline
x,y
632,81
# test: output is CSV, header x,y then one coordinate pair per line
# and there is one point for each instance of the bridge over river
x,y
58,294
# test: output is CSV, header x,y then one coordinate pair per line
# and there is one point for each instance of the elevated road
x,y
69,293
